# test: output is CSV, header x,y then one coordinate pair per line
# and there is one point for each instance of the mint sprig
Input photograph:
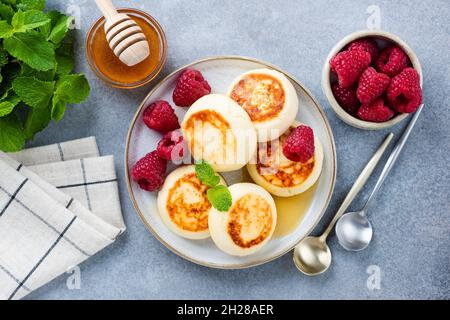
x,y
36,62
220,198
205,173
218,195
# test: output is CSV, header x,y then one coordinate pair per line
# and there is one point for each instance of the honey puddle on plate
x,y
291,211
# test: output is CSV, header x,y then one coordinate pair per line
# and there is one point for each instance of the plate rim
x,y
128,180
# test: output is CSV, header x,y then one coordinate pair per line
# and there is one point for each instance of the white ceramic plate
x,y
220,71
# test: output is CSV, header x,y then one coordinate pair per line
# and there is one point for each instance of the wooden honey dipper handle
x,y
124,35
107,8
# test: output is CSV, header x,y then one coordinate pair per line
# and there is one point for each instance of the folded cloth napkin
x,y
59,205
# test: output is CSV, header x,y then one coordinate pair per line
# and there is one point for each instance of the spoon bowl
x,y
312,256
354,231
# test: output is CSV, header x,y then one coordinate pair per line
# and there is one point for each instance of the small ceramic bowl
x,y
383,39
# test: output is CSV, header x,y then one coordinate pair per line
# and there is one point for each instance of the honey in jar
x,y
107,65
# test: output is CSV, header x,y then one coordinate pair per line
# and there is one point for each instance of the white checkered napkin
x,y
91,181
45,230
39,237
76,149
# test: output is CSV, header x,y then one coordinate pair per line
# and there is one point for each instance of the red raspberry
x,y
349,65
191,86
161,117
392,61
299,146
404,93
367,45
346,97
375,111
371,85
171,147
149,172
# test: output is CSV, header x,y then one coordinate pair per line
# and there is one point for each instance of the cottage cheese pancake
x,y
281,176
183,205
248,225
220,132
270,100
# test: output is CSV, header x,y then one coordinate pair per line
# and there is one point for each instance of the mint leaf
x,y
58,108
64,58
6,31
3,58
12,137
6,12
72,88
10,2
8,104
6,108
60,29
27,71
205,173
31,4
220,198
36,62
32,19
53,17
34,92
36,121
32,49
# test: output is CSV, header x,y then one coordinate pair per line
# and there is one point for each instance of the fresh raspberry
x,y
371,85
375,111
349,65
367,45
191,86
404,93
171,147
149,172
161,117
299,145
346,97
392,61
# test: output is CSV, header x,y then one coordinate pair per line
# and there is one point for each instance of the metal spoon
x,y
354,230
312,256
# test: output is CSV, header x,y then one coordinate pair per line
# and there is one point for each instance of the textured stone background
x,y
411,217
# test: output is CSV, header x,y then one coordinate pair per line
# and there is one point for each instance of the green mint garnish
x,y
220,198
205,173
36,62
218,195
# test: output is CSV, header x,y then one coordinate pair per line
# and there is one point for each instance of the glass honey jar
x,y
110,69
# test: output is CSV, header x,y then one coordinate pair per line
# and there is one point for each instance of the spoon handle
x,y
393,158
358,185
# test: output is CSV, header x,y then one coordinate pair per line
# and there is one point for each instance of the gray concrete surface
x,y
411,217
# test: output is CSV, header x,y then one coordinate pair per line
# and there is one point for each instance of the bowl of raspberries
x,y
372,80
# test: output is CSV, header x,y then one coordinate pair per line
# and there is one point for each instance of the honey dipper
x,y
124,35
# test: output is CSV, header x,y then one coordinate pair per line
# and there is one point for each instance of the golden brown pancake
x,y
281,176
250,221
269,98
188,205
183,204
279,171
261,95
